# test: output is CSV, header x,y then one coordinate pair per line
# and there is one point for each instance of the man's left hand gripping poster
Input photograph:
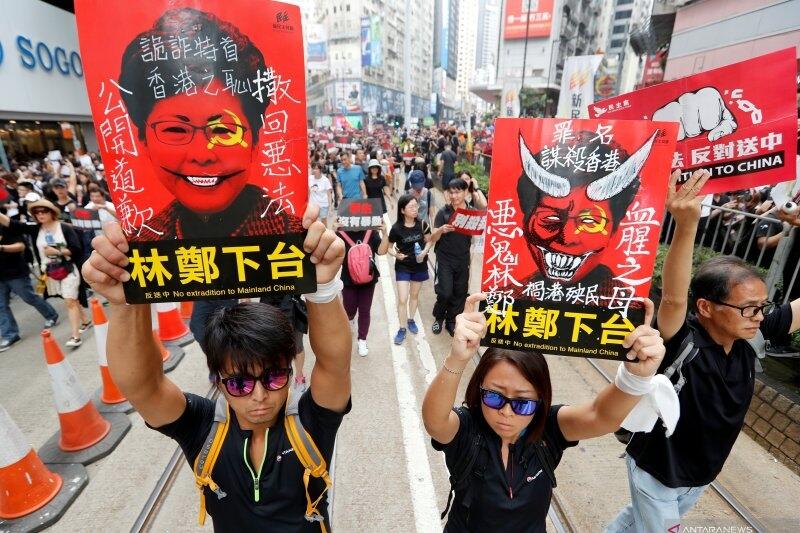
x,y
200,113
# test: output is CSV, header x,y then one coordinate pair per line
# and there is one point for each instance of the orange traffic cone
x,y
81,423
186,310
27,484
170,324
110,394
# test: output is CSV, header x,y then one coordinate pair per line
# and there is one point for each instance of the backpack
x,y
473,464
686,352
359,259
304,447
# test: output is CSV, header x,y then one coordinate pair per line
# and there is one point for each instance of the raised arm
x,y
328,329
134,360
440,421
684,205
609,408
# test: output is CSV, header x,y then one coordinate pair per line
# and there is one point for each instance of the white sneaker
x,y
362,348
73,342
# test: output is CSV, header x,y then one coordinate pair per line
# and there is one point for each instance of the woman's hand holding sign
x,y
470,329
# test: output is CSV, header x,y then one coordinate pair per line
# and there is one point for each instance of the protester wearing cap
x,y
27,194
375,184
350,179
62,197
58,250
422,195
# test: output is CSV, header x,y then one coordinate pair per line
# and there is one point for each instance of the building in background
x,y
44,105
714,33
467,46
445,57
357,64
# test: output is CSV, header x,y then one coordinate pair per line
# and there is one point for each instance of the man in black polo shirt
x,y
249,350
668,474
452,256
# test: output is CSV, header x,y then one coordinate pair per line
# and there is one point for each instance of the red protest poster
x,y
739,121
200,112
468,221
574,216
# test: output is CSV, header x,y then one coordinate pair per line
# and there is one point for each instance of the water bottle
x,y
418,252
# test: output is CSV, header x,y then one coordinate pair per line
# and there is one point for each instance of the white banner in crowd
x,y
577,86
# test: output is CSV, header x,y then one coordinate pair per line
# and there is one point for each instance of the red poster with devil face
x,y
574,216
200,108
739,122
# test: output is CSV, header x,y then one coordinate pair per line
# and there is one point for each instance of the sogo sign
x,y
38,55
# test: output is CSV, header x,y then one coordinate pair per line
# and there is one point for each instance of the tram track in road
x,y
738,507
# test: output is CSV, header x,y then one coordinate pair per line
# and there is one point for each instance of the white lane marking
x,y
423,496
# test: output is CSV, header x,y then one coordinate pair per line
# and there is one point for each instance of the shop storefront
x,y
43,100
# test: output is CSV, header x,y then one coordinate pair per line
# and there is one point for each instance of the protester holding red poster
x,y
740,126
202,127
571,254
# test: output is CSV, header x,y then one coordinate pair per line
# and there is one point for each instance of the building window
x,y
619,29
624,14
348,8
617,43
624,2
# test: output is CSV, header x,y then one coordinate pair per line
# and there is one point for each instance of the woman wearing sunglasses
x,y
520,436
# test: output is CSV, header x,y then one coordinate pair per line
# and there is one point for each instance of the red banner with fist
x,y
739,125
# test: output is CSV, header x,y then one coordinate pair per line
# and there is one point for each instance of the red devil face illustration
x,y
570,218
201,148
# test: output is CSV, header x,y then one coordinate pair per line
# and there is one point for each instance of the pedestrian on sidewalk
x,y
411,239
257,482
16,277
320,191
447,165
58,250
376,184
668,473
357,297
452,256
423,195
350,179
503,444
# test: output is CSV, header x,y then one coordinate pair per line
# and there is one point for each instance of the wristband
x,y
452,371
326,292
632,384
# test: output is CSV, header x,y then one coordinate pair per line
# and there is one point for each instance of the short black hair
x,y
716,277
457,183
248,337
189,24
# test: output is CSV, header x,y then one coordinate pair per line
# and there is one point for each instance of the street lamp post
x,y
551,68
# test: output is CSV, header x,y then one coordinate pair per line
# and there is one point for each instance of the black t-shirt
x,y
374,244
713,403
449,162
375,187
12,264
405,238
282,502
451,247
492,507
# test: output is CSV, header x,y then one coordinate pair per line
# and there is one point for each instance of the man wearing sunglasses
x,y
668,475
249,350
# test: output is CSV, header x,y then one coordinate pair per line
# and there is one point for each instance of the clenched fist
x,y
699,112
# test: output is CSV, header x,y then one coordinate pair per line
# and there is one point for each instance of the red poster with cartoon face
x,y
574,217
738,125
199,108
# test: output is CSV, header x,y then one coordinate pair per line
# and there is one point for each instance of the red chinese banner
x,y
468,221
200,112
739,121
516,21
574,216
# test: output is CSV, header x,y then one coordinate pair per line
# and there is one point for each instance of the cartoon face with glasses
x,y
202,138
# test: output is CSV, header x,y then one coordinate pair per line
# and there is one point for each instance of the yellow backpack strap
x,y
310,457
207,458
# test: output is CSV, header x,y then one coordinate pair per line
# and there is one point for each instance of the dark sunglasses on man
x,y
272,379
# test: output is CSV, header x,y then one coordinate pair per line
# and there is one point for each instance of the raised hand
x,y
684,204
470,329
326,249
105,268
645,344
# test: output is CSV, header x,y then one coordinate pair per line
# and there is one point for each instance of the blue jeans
x,y
654,507
22,287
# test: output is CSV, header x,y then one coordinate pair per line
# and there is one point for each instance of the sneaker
x,y
5,344
73,342
436,328
50,323
450,327
86,325
412,326
362,347
401,336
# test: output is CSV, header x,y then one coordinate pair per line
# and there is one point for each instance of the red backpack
x,y
359,259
